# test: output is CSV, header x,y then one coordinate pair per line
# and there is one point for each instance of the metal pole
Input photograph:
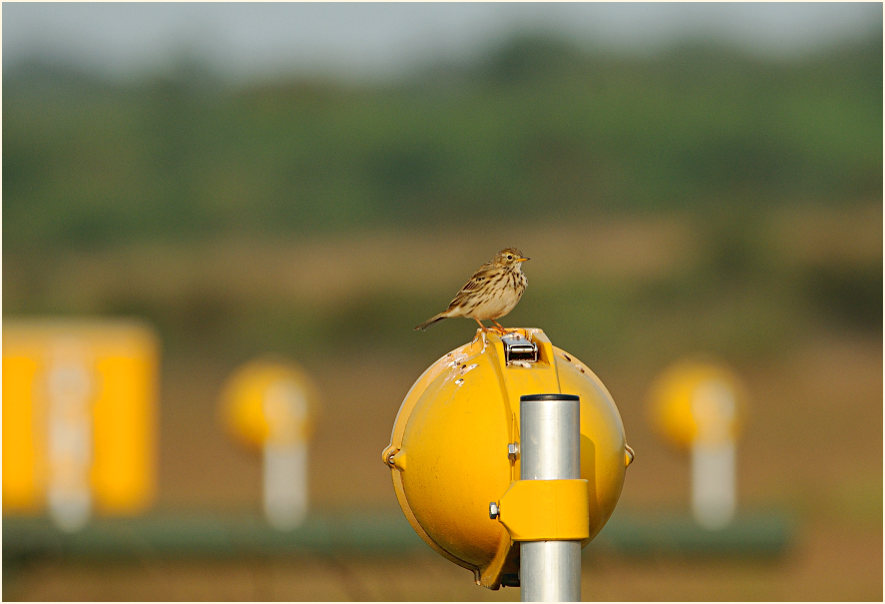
x,y
549,425
713,455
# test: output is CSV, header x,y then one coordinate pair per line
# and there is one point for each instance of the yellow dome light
x,y
700,407
455,448
270,405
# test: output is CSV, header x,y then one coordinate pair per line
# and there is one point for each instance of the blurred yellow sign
x,y
79,417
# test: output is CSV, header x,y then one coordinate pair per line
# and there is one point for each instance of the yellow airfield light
x,y
699,406
697,400
270,405
454,449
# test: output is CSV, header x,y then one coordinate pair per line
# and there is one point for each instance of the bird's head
x,y
510,256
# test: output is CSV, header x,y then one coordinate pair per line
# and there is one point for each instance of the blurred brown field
x,y
310,273
812,448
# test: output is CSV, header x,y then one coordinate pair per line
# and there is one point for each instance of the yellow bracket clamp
x,y
546,510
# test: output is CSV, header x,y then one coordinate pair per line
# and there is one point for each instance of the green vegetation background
x,y
535,127
536,131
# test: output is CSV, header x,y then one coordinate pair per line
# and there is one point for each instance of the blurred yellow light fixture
x,y
270,405
699,406
696,400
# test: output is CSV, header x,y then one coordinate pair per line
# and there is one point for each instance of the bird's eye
x,y
510,256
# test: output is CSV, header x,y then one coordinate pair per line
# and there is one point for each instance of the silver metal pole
x,y
550,448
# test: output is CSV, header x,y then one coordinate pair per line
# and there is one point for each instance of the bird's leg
x,y
481,326
500,328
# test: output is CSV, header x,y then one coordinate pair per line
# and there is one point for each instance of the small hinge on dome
x,y
518,348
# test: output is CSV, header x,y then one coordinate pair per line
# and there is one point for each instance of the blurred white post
x,y
285,456
69,442
550,449
713,456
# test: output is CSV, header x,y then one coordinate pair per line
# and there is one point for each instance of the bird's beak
x,y
522,259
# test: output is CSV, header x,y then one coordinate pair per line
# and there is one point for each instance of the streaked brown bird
x,y
492,292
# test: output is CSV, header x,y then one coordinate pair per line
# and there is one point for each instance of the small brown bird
x,y
492,291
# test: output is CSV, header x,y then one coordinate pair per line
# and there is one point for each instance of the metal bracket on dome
x,y
544,510
518,348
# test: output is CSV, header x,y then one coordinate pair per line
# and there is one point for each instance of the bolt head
x,y
494,512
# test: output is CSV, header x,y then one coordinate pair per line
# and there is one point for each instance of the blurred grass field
x,y
697,201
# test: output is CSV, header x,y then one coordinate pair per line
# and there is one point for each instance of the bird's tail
x,y
431,321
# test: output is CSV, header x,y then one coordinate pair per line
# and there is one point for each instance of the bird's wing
x,y
478,279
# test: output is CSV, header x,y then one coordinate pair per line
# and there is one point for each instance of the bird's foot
x,y
500,329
